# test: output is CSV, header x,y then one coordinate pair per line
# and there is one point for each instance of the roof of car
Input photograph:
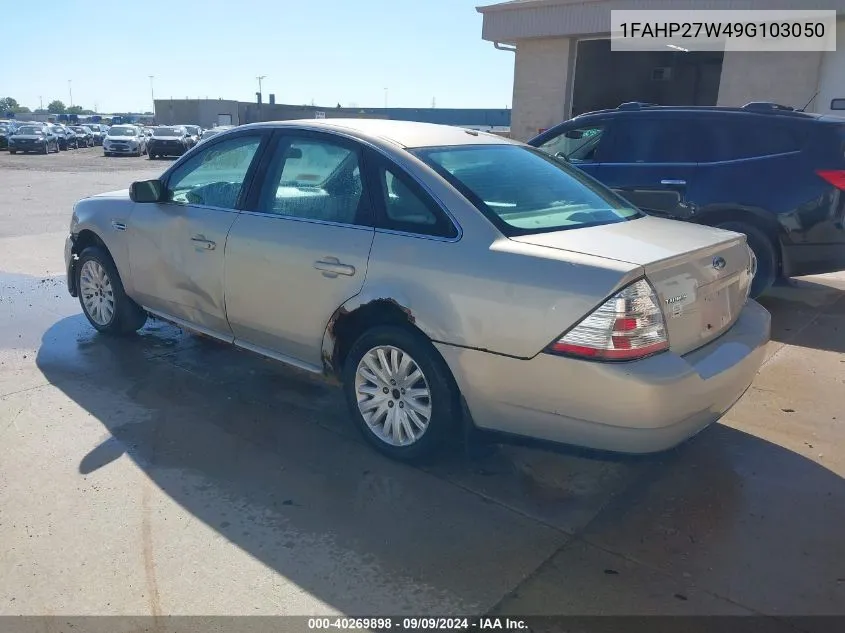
x,y
402,133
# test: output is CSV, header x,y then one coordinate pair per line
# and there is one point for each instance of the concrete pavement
x,y
165,474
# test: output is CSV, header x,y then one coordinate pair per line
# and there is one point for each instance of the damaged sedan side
x,y
441,275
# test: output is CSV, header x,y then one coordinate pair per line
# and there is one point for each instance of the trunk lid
x,y
702,275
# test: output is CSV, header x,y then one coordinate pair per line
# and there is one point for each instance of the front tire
x,y
400,393
13,151
104,302
765,252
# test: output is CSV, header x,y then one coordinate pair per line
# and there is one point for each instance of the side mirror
x,y
146,191
575,134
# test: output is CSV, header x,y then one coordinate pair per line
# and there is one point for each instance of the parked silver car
x,y
446,276
194,134
124,139
214,131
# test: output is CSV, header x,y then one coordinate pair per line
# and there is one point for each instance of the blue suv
x,y
771,172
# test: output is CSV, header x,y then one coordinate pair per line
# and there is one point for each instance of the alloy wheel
x,y
97,293
393,395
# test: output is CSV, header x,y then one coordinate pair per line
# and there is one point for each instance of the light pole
x,y
70,90
41,102
260,78
152,92
385,97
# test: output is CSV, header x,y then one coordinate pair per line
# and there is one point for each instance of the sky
x,y
352,52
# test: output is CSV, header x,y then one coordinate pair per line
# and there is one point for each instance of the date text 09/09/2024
x,y
417,623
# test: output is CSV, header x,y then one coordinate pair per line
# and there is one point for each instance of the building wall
x,y
252,112
194,111
541,85
788,78
514,21
832,75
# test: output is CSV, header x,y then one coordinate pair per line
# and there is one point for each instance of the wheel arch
x,y
357,315
83,239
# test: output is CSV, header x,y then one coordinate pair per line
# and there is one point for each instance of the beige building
x,y
564,65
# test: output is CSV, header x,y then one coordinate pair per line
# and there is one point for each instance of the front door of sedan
x,y
652,163
176,247
301,249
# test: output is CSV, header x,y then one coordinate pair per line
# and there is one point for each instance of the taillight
x,y
627,326
835,177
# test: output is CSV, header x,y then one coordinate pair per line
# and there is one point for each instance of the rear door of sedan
x,y
301,248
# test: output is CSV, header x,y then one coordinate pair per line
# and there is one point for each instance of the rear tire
x,y
765,252
434,392
104,302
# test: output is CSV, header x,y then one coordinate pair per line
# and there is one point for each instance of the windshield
x,y
28,129
119,130
80,130
168,131
523,191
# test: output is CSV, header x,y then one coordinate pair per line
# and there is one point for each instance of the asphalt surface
x,y
165,475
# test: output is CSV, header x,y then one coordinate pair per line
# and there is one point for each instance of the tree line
x,y
8,104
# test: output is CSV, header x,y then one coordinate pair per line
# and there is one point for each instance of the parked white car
x,y
124,139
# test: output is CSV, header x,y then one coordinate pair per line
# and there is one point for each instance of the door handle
x,y
201,242
332,267
119,226
671,182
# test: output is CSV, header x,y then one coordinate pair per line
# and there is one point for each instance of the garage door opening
x,y
605,78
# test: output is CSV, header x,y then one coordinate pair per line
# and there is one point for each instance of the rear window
x,y
167,131
743,136
523,191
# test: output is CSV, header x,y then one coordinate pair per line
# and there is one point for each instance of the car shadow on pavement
x,y
808,313
266,458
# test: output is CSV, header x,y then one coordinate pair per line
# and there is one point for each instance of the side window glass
x,y
315,179
214,177
744,137
641,140
407,207
578,145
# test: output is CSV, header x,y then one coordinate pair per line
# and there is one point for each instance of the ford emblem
x,y
719,263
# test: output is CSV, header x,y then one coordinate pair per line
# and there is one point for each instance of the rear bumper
x,y
166,150
638,407
122,150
